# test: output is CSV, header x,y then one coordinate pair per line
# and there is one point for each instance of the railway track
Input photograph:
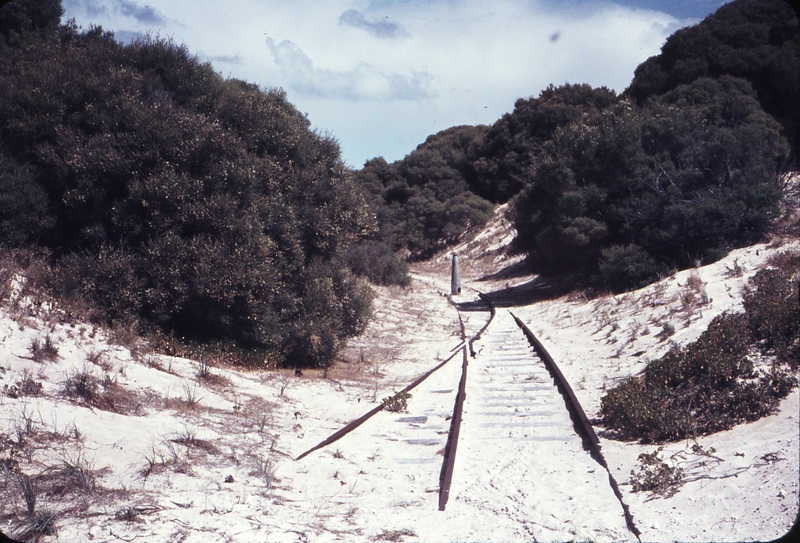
x,y
517,438
524,443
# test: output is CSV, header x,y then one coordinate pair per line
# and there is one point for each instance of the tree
x,y
423,203
630,192
197,207
20,20
509,154
756,40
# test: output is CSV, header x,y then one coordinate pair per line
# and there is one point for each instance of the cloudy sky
x,y
382,75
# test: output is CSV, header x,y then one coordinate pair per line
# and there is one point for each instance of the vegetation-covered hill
x,y
756,40
615,190
206,208
629,193
424,201
166,195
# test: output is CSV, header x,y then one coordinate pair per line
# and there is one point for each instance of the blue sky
x,y
382,75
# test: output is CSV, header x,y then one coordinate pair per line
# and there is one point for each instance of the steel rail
x,y
579,419
352,425
448,464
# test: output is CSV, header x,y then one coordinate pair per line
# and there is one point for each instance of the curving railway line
x,y
518,435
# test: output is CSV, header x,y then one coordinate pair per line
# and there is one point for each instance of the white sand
x,y
381,481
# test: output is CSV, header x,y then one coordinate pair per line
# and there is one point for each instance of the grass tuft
x,y
43,351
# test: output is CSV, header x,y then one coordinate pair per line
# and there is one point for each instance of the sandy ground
x,y
184,458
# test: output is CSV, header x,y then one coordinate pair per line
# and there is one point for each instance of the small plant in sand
x,y
26,386
82,384
43,351
655,475
29,491
36,526
394,535
204,371
736,271
667,330
397,403
191,396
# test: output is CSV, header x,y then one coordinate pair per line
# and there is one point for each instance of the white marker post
x,y
455,277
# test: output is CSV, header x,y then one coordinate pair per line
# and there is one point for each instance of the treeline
x,y
632,192
169,197
685,166
616,190
207,209
450,183
424,201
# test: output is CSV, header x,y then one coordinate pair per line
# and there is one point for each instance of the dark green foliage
x,y
757,40
626,266
24,214
510,153
378,263
710,385
397,403
423,203
628,193
198,206
667,176
22,21
773,307
655,475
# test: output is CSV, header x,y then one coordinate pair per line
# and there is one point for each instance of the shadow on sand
x,y
539,288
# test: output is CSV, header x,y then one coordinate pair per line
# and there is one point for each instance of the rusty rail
x,y
448,464
446,477
352,425
477,336
579,419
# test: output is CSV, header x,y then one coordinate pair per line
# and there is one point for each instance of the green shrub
x,y
43,351
773,305
710,385
627,266
625,193
423,203
752,39
177,203
397,403
376,261
655,475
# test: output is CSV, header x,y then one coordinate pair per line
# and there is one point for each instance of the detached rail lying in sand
x,y
446,475
352,425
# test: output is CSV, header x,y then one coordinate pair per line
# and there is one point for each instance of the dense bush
x,y
375,260
503,161
628,193
646,197
757,40
195,205
26,21
773,307
423,202
711,385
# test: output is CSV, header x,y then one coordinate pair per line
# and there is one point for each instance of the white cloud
x,y
364,81
382,75
144,15
125,8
